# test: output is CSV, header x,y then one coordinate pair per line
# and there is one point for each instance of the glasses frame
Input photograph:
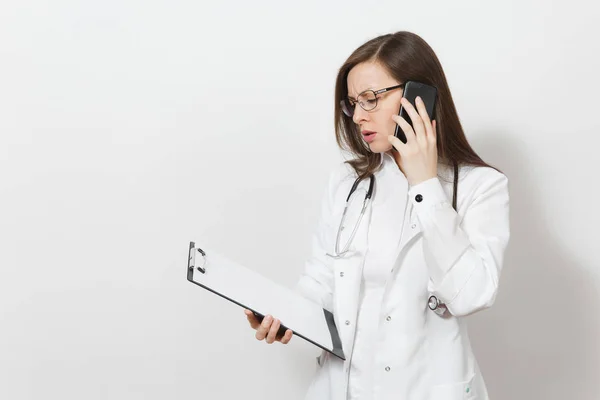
x,y
375,93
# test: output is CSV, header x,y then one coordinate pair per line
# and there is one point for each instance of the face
x,y
369,75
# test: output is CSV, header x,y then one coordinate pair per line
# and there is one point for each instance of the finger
x,y
417,122
287,336
262,330
397,143
434,130
254,322
273,331
424,116
406,128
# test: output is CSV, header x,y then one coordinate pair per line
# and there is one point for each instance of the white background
x,y
129,128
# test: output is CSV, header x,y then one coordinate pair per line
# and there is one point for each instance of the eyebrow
x,y
354,98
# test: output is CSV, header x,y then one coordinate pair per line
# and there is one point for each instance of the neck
x,y
396,156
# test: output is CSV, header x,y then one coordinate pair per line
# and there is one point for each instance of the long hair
x,y
405,56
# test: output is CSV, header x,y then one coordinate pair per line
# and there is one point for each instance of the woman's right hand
x,y
268,328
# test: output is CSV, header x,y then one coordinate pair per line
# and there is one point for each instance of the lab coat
x,y
456,256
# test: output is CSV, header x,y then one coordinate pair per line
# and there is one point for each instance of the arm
x,y
465,258
316,280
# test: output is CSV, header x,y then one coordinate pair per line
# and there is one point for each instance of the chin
x,y
378,147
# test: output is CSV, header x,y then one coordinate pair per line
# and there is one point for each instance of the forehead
x,y
367,75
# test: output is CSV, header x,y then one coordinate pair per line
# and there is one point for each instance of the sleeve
x,y
316,280
464,258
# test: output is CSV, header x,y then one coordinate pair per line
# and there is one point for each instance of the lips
x,y
369,136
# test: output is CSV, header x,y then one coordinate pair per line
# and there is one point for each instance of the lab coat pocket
x,y
454,391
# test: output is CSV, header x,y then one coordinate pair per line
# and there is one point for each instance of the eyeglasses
x,y
367,100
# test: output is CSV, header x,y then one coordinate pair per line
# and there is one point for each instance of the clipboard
x,y
248,289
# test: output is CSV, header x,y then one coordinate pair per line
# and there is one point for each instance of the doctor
x,y
426,252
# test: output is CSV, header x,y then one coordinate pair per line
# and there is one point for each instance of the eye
x,y
368,99
368,103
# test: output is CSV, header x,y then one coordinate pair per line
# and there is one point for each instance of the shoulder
x,y
341,178
483,179
472,177
475,184
342,171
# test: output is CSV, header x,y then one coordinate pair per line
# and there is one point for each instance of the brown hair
x,y
405,56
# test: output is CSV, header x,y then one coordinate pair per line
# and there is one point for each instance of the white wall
x,y
129,128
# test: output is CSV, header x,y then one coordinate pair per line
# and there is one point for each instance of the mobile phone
x,y
412,89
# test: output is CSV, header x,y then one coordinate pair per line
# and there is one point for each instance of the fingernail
x,y
418,99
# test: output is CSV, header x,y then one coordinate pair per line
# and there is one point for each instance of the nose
x,y
359,114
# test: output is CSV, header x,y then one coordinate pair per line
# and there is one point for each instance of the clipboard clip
x,y
201,265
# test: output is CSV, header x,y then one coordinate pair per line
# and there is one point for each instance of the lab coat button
x,y
388,318
419,198
342,274
387,368
347,322
414,226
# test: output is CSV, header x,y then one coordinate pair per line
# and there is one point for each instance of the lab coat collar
x,y
445,171
388,163
386,158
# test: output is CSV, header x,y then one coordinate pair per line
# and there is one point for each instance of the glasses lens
x,y
367,100
347,108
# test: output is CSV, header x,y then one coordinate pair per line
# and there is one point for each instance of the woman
x,y
429,249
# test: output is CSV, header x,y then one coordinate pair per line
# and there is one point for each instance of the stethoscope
x,y
337,253
433,302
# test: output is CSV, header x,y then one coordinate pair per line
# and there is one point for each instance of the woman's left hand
x,y
418,157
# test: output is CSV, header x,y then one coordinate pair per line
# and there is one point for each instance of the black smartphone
x,y
412,89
